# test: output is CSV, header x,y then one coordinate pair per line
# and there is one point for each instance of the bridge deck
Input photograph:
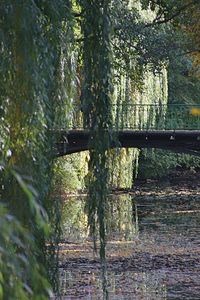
x,y
182,141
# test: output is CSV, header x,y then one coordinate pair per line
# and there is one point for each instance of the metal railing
x,y
149,117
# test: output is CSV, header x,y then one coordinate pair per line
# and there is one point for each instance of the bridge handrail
x,y
156,104
141,116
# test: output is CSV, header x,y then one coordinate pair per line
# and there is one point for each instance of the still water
x,y
153,249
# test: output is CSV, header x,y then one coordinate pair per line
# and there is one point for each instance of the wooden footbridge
x,y
175,128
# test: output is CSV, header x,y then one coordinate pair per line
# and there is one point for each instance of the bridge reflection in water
x,y
171,127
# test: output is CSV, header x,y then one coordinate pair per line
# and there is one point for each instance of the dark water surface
x,y
153,250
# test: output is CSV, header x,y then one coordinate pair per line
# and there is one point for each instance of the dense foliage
x,y
33,41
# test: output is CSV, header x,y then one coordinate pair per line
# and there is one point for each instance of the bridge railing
x,y
158,116
149,117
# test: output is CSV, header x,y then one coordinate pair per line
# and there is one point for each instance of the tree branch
x,y
170,18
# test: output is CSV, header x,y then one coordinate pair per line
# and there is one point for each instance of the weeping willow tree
x,y
34,69
97,107
139,77
140,80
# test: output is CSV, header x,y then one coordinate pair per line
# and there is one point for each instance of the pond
x,y
153,249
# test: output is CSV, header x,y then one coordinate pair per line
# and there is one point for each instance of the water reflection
x,y
74,219
152,252
122,222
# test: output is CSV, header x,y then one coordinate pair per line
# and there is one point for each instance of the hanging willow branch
x,y
96,104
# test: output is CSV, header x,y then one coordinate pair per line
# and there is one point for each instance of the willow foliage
x,y
33,67
97,105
